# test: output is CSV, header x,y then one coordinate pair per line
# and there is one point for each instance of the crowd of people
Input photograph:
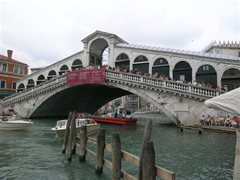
x,y
227,121
165,77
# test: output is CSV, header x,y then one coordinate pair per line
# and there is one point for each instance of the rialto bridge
x,y
45,93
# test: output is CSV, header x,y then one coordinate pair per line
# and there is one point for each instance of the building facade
x,y
11,71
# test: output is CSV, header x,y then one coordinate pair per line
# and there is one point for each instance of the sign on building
x,y
86,76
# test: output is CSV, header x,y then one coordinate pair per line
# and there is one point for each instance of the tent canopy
x,y
229,102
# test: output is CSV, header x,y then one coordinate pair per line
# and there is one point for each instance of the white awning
x,y
229,102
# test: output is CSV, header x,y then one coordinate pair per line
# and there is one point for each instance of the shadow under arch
x,y
82,98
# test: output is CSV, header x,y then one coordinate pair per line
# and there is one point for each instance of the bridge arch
x,y
230,78
21,87
30,83
40,79
206,74
182,71
123,61
141,64
161,67
51,74
96,49
77,98
63,69
77,63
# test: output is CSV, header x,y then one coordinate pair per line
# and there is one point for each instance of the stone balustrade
x,y
171,86
166,85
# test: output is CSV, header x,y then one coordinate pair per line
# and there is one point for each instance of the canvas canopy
x,y
229,102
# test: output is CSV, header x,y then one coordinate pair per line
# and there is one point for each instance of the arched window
x,y
41,79
21,87
51,74
30,83
63,69
207,75
122,62
141,64
231,79
160,67
182,71
77,64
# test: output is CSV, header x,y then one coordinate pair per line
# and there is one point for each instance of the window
x,y
14,85
18,69
205,68
21,70
3,67
2,84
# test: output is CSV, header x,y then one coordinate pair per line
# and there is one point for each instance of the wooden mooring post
x,y
100,151
146,138
116,157
71,137
65,140
148,157
83,142
146,163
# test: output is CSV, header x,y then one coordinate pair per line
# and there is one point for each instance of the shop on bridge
x,y
141,64
182,72
207,75
161,67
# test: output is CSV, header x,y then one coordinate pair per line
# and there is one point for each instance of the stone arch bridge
x,y
45,94
54,98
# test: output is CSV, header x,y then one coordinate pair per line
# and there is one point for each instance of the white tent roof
x,y
229,102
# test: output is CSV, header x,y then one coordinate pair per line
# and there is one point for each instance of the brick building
x,y
11,71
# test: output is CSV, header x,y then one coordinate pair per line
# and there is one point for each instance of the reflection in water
x,y
36,153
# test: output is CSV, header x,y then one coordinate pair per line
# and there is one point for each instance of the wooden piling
x,y
65,140
116,157
70,138
236,173
146,137
83,141
148,167
100,151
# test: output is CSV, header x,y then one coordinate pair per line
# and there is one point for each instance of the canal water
x,y
36,153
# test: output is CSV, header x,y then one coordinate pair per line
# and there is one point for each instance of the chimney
x,y
9,53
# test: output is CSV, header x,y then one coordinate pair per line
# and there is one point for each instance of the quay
x,y
202,128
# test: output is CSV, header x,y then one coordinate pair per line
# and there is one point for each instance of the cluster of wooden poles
x,y
146,163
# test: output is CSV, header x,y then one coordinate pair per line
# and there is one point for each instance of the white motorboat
x,y
92,126
14,123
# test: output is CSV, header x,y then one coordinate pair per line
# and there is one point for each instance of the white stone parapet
x,y
157,84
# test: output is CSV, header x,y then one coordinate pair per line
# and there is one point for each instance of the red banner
x,y
86,76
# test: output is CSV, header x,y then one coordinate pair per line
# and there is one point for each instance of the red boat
x,y
120,116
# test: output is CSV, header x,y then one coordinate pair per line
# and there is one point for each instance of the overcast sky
x,y
41,32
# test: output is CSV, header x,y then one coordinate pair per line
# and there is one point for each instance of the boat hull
x,y
91,129
15,125
122,121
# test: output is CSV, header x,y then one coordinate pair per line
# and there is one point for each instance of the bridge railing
x,y
39,87
130,77
166,84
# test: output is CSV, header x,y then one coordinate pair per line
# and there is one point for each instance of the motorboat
x,y
14,123
120,116
92,126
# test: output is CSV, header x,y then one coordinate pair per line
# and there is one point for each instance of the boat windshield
x,y
83,122
61,123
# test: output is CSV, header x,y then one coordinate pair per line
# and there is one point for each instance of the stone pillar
x,y
111,60
85,61
171,71
236,172
219,80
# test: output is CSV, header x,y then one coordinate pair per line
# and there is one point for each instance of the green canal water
x,y
36,153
